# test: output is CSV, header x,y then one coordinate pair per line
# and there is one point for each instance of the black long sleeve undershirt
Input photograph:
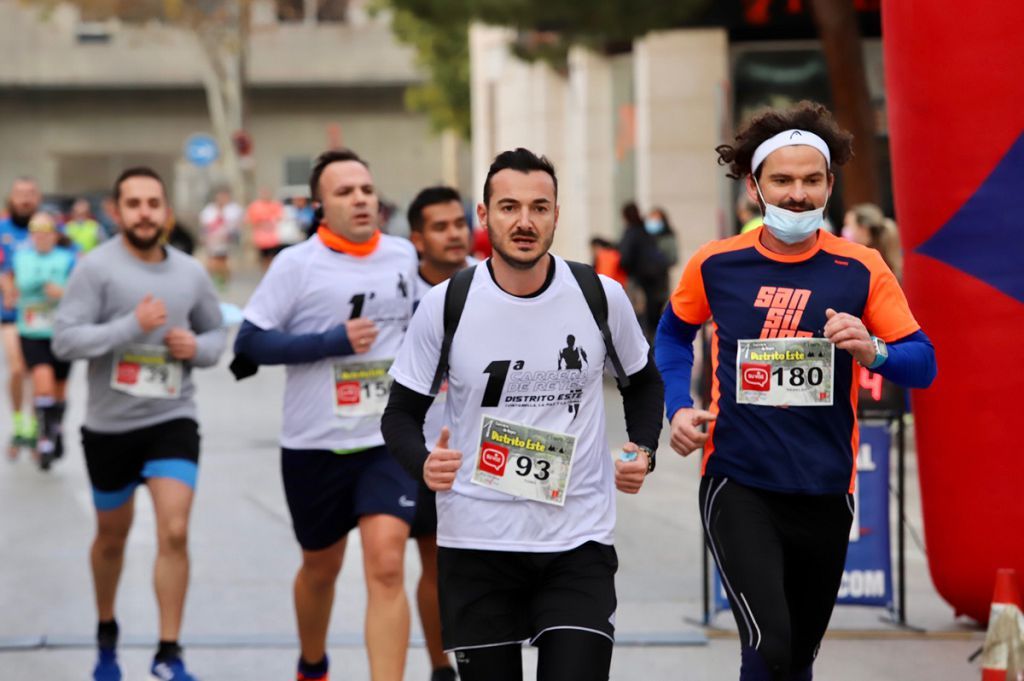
x,y
643,402
402,427
402,423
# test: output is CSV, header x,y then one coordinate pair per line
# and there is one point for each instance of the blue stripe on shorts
x,y
182,470
108,501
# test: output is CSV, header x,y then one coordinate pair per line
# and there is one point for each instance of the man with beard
x,y
440,233
144,315
525,549
796,310
22,203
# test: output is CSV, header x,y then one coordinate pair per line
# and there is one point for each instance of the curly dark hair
x,y
803,115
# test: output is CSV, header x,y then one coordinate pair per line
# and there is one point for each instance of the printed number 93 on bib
x,y
785,372
523,461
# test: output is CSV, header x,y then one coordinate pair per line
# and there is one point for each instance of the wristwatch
x,y
650,457
881,352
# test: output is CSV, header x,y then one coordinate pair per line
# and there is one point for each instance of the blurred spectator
x,y
264,217
646,266
83,231
748,213
657,225
606,260
867,225
305,218
106,216
220,222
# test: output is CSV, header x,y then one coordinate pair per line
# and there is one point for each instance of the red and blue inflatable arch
x,y
955,90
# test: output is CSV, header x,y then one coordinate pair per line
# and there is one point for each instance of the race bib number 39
x,y
362,388
523,461
146,371
785,372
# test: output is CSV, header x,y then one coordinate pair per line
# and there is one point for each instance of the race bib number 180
x,y
146,371
523,461
785,372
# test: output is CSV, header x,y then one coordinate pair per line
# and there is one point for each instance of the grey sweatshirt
x,y
96,318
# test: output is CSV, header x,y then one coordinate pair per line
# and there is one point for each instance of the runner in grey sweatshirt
x,y
97,321
143,315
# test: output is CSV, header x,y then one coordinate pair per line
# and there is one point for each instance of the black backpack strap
x,y
454,301
597,301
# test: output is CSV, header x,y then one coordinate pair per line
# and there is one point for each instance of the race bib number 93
x,y
523,461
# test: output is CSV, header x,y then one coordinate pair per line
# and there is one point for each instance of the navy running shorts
x,y
328,492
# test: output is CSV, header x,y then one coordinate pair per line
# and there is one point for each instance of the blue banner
x,y
867,577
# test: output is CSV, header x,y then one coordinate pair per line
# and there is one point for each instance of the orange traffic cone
x,y
1002,656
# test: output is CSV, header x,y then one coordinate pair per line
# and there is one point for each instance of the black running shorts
x,y
492,598
37,351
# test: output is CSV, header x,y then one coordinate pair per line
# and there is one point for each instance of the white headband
x,y
789,138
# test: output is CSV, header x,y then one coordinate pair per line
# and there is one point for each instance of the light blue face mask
x,y
791,227
654,225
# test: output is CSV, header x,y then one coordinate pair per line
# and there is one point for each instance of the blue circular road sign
x,y
201,150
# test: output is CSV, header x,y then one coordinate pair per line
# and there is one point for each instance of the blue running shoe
x,y
107,668
170,670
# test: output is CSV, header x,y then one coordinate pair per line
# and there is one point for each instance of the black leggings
x,y
781,558
564,655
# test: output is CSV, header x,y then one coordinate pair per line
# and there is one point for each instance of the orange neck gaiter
x,y
343,245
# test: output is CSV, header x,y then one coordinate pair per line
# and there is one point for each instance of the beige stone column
x,y
681,84
585,189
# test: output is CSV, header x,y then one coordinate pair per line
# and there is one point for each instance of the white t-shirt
x,y
435,415
219,225
310,288
515,353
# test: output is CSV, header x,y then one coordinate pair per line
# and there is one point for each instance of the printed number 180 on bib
x,y
785,372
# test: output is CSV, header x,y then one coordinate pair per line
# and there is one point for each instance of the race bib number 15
x,y
362,388
785,372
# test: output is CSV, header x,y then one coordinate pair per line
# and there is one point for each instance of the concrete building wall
x,y
77,141
73,113
48,50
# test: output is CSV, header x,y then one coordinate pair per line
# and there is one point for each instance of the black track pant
x,y
781,557
563,655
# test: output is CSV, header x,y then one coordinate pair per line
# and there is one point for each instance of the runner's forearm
x,y
85,341
911,362
673,354
642,401
267,346
402,426
209,346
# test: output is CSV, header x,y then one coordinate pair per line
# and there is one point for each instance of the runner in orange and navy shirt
x,y
794,309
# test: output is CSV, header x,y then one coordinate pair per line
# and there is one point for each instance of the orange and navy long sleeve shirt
x,y
750,292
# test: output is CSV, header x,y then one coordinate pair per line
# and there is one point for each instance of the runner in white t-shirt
x,y
524,476
334,309
440,233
